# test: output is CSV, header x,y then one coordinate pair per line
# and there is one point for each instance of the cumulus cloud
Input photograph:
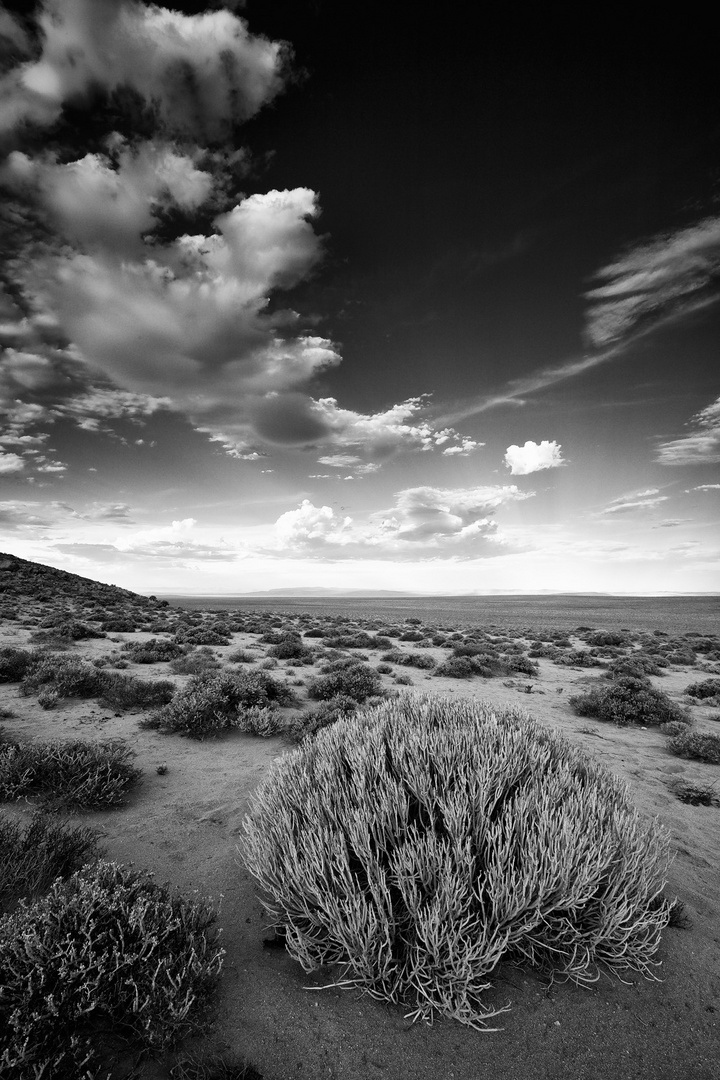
x,y
111,200
532,457
11,463
701,445
200,73
424,522
666,276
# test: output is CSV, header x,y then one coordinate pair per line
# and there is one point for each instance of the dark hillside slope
x,y
23,583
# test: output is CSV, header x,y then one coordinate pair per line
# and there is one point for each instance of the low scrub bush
x,y
211,704
578,658
357,681
688,791
241,656
14,663
32,857
291,648
77,775
262,720
202,635
418,844
708,688
629,701
65,676
700,745
154,651
127,692
196,662
107,953
637,666
410,659
327,712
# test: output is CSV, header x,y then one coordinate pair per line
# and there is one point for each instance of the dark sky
x,y
519,233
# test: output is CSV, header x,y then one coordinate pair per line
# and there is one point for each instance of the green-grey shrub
x,y
107,951
419,843
708,688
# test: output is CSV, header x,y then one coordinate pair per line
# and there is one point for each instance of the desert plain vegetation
x,y
241,843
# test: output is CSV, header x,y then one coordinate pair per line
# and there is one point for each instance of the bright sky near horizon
x,y
294,294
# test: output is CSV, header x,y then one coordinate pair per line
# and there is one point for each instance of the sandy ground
x,y
185,826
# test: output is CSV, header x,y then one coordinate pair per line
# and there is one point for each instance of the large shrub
x,y
628,700
419,843
62,676
106,953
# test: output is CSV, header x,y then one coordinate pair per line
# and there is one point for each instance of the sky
x,y
294,294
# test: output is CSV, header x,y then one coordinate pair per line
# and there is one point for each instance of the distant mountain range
x,y
319,591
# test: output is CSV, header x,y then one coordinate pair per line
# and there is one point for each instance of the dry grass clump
x,y
107,953
76,775
629,700
695,794
31,858
419,843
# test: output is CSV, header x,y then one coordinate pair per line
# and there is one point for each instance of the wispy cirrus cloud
x,y
631,504
700,446
656,281
667,276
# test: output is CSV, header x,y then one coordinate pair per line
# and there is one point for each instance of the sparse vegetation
x,y
107,953
703,746
429,888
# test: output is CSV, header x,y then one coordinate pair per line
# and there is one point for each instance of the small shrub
x,y
263,720
77,775
327,712
210,704
457,667
154,651
402,680
696,744
31,858
637,666
628,701
241,656
384,669
127,692
696,794
14,663
417,844
291,648
358,681
195,663
65,676
202,635
107,952
706,689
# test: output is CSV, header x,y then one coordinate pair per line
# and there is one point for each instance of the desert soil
x,y
185,826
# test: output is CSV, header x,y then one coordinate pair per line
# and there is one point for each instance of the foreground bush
x,y
32,858
108,952
419,843
77,775
629,700
210,704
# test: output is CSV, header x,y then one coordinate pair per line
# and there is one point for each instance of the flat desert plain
x,y
184,823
